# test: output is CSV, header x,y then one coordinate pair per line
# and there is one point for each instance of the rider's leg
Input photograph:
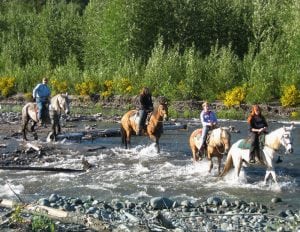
x,y
252,148
205,130
40,110
141,124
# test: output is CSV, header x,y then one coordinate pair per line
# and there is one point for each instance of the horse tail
x,y
228,165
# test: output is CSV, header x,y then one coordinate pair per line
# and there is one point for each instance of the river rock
x,y
161,203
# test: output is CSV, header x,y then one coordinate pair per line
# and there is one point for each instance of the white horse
x,y
279,137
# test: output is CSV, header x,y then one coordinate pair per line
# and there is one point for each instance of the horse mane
x,y
273,136
216,135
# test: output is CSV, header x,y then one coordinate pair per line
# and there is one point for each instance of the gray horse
x,y
59,104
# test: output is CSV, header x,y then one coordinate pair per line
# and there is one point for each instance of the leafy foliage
x,y
194,49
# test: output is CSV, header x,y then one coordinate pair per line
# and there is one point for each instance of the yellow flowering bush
x,y
7,86
86,88
295,115
58,86
235,96
291,96
108,88
123,86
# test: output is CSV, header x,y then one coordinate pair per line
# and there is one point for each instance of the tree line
x,y
182,49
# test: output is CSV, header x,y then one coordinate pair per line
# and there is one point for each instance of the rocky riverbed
x,y
165,214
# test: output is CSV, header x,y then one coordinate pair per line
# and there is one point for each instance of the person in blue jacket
x,y
41,94
209,121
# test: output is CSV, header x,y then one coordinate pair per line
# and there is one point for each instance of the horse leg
x,y
32,129
127,140
272,173
157,146
266,176
238,167
219,165
195,155
210,165
24,128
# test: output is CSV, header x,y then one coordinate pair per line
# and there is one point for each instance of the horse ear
x,y
66,93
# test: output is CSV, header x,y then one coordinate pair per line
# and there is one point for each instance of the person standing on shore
x,y
145,106
209,121
257,126
41,94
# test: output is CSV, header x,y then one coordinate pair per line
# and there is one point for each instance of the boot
x,y
139,131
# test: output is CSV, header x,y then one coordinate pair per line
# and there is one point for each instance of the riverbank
x,y
158,214
118,105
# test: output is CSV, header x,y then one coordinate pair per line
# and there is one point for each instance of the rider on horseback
x,y
41,94
145,106
209,121
257,126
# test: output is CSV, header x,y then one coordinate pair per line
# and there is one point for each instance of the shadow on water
x,y
140,173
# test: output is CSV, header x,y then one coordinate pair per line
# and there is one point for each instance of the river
x,y
140,173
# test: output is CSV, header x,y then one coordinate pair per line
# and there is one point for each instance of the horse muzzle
x,y
67,111
289,150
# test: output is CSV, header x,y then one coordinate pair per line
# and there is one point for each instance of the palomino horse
x,y
59,104
129,124
218,145
279,137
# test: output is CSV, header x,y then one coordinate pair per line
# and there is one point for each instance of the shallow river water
x,y
140,173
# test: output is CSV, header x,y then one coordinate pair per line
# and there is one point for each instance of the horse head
x,y
163,111
220,137
286,139
226,138
162,108
64,103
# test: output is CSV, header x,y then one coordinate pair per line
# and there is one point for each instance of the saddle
x,y
136,117
246,143
199,134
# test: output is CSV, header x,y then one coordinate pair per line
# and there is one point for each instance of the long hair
x,y
251,115
145,91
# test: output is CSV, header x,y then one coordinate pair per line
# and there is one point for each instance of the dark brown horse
x,y
59,104
218,145
129,124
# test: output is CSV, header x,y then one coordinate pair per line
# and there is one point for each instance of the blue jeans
x,y
143,116
42,109
205,130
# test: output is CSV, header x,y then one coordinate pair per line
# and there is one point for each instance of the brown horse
x,y
129,124
218,145
58,104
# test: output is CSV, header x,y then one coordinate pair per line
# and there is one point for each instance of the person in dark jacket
x,y
145,106
257,126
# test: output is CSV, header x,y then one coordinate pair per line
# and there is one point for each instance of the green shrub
x,y
42,223
231,113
